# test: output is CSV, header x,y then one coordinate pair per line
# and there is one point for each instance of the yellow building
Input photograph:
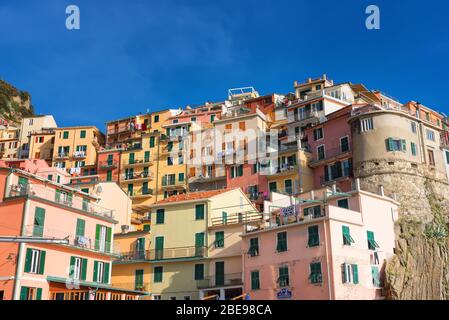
x,y
76,147
41,145
195,244
9,142
132,269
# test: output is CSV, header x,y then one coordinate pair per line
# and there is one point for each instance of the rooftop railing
x,y
64,198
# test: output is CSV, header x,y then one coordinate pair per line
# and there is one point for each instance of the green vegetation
x,y
14,104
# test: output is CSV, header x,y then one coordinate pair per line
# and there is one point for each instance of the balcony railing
x,y
108,164
283,169
138,255
62,198
78,241
62,155
230,279
176,253
241,217
137,176
138,161
79,154
142,193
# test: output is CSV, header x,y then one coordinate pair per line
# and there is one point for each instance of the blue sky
x,y
130,56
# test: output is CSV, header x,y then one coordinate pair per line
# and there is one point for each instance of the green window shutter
x,y
95,278
281,242
253,247
72,267
85,204
158,274
160,216
347,239
199,212
152,142
389,144
219,273
199,271
146,227
39,219
42,254
131,158
240,170
65,135
375,275
232,172
355,274
84,269
28,260
97,237
255,282
147,156
108,239
181,177
314,239
413,148
224,217
372,244
138,279
109,176
404,145
82,133
39,294
24,293
273,186
106,273
159,248
219,239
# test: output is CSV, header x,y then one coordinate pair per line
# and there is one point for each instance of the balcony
x,y
177,253
230,279
172,183
237,218
138,162
62,155
206,178
74,241
79,154
144,175
108,164
306,117
283,170
142,193
64,199
138,255
331,154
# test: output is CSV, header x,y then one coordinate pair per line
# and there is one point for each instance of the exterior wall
x,y
94,138
9,142
103,166
30,125
42,146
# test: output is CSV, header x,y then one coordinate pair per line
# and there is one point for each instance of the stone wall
x,y
420,269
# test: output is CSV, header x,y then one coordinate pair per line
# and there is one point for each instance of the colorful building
x,y
30,125
193,252
9,141
323,245
49,260
42,144
75,149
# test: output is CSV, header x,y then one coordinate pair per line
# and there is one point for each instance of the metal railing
x,y
137,161
137,255
64,198
108,164
142,192
176,253
229,279
136,176
236,218
79,154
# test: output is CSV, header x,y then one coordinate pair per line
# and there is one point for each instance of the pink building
x,y
59,242
330,144
334,249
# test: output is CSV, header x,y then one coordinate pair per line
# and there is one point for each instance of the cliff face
x,y
14,104
420,268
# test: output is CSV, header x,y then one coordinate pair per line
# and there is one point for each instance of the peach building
x,y
334,248
45,259
41,145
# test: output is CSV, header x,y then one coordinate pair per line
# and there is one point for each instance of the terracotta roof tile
x,y
192,196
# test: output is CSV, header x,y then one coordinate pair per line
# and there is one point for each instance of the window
x,y
199,212
27,293
39,219
212,117
344,144
147,156
158,273
447,157
314,236
109,176
219,239
193,119
314,211
160,216
101,272
288,187
242,126
131,189
320,152
181,177
169,161
272,186
35,261
413,148
156,118
350,273
317,134
281,242
80,227
78,267
65,135
376,276
430,135
152,142
237,171
372,244
316,275
396,144
199,271
366,124
157,297
347,239
253,247
30,122
255,280
50,177
138,279
343,203
413,126
431,157
82,133
284,279
103,238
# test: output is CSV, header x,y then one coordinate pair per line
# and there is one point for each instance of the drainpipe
x,y
327,261
20,261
